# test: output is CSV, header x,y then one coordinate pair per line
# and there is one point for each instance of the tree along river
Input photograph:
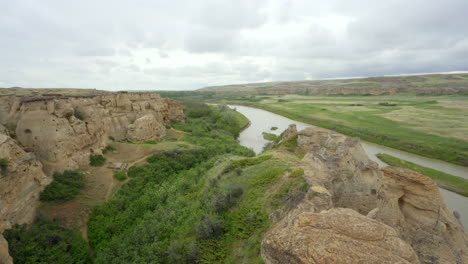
x,y
263,121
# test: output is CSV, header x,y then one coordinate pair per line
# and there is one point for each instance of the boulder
x,y
412,204
335,236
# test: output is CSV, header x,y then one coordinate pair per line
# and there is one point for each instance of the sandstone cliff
x,y
55,132
355,212
21,181
63,130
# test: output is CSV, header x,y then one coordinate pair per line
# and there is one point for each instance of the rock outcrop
x,y
413,205
21,181
335,236
55,132
355,212
63,130
5,257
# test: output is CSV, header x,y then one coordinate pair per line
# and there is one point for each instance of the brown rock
x,y
412,204
51,128
4,255
21,181
335,236
340,164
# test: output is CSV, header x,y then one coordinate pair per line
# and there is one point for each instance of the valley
x,y
208,187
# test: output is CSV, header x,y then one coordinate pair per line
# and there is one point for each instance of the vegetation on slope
x,y
445,180
209,203
46,241
65,186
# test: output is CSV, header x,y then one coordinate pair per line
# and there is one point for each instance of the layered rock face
x,y
21,181
63,130
355,212
412,204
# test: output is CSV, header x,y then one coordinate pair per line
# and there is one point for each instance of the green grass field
x,y
431,126
445,180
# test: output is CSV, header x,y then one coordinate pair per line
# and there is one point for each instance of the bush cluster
x,y
108,148
121,175
96,160
46,241
64,186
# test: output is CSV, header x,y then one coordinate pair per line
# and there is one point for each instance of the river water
x,y
263,121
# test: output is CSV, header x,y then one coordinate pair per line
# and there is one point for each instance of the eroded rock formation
x,y
63,130
55,132
355,212
21,181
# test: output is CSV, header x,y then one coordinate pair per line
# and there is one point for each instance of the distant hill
x,y
419,84
40,91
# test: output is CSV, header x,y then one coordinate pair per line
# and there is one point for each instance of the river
x,y
263,121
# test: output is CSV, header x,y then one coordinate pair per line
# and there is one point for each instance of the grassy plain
x,y
431,126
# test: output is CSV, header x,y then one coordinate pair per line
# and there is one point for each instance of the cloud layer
x,y
181,44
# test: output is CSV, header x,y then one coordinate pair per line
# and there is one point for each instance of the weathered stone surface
x,y
412,204
4,255
50,126
411,223
21,181
335,236
144,128
340,164
290,132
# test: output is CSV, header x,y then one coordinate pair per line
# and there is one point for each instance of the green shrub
x,y
3,162
210,226
151,142
79,115
387,104
46,241
108,148
242,163
96,160
112,138
274,128
269,136
64,186
297,173
266,177
11,128
290,192
121,175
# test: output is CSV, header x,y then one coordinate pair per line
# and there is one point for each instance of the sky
x,y
184,45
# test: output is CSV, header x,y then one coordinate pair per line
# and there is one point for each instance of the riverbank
x,y
263,120
421,132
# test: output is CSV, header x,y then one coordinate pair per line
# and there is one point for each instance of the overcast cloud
x,y
162,45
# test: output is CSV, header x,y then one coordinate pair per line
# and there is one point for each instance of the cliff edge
x,y
355,212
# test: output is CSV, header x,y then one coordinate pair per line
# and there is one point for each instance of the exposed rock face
x,y
290,132
335,236
21,181
412,204
52,128
403,218
4,255
340,164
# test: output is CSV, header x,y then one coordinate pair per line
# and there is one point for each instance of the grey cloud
x,y
188,44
